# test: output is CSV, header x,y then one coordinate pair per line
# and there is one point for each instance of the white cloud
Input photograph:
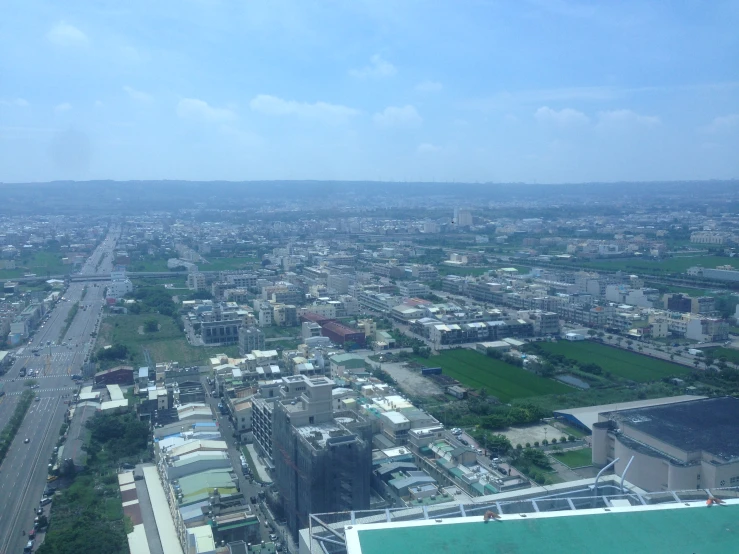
x,y
428,148
393,116
564,117
429,86
272,105
17,102
63,107
138,95
722,123
377,68
626,117
192,108
64,34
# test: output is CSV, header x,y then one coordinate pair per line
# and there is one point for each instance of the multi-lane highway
x,y
23,472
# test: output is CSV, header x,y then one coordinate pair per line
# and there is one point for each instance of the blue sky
x,y
465,90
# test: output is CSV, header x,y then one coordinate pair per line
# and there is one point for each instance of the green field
x,y
498,378
731,354
654,267
224,264
622,363
576,458
40,263
167,344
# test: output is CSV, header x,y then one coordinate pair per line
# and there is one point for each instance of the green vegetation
x,y
68,321
274,331
151,326
14,423
225,264
729,354
534,464
576,458
43,264
88,516
615,361
127,336
496,377
656,267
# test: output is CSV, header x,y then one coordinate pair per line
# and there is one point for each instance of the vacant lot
x,y
576,458
622,363
498,378
167,344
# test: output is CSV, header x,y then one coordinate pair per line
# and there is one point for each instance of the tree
x,y
554,440
536,444
571,438
43,521
151,326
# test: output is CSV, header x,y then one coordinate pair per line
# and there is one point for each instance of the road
x,y
246,486
24,470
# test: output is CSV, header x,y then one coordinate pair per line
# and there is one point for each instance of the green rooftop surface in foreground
x,y
676,531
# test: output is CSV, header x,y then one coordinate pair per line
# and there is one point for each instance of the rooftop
x,y
709,424
688,527
588,415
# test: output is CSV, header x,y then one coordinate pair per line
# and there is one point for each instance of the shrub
x,y
562,439
554,440
571,438
536,444
528,445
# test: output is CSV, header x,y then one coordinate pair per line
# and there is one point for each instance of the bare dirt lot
x,y
532,434
412,382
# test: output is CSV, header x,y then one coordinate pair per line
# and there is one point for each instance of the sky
x,y
545,91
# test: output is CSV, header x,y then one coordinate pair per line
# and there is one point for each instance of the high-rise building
x,y
462,217
250,338
322,460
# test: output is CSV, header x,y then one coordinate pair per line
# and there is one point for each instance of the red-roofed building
x,y
315,318
341,334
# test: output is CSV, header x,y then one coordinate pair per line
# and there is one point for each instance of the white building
x,y
196,281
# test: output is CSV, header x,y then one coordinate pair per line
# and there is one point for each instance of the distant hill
x,y
140,196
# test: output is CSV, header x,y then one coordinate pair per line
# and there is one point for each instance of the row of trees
x,y
14,423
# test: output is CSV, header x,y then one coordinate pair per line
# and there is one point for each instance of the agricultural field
x,y
576,458
621,363
657,267
498,378
225,264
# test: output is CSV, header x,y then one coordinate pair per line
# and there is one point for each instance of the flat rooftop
x,y
709,424
680,528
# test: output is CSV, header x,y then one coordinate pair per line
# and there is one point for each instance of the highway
x,y
24,470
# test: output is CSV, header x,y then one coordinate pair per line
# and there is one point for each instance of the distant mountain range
x,y
142,196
